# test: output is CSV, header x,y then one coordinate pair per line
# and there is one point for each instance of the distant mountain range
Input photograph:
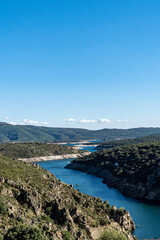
x,y
27,133
117,143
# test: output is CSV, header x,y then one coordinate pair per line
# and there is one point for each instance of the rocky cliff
x,y
33,201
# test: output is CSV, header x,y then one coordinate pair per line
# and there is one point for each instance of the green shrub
x,y
46,218
3,207
113,235
49,211
66,235
103,221
121,208
24,232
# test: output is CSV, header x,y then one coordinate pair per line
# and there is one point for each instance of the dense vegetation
x,y
47,134
35,205
22,231
29,150
136,162
117,143
134,168
112,235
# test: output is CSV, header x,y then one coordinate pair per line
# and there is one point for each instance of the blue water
x,y
145,216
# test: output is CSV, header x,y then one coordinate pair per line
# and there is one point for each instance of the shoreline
x,y
81,146
76,142
54,157
128,189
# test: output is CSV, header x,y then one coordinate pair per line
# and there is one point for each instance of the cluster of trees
x,y
135,161
25,232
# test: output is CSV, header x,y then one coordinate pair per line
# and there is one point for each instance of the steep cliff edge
x,y
32,196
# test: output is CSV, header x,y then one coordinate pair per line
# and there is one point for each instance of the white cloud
x,y
101,120
122,120
44,123
28,122
104,120
70,120
83,120
13,123
32,122
7,118
86,121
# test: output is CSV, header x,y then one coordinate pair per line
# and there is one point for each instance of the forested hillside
x,y
27,133
35,149
117,143
133,169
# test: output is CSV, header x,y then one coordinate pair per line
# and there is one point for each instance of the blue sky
x,y
87,64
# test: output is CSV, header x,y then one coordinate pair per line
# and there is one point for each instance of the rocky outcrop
x,y
35,197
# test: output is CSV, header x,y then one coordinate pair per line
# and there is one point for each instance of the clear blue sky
x,y
80,60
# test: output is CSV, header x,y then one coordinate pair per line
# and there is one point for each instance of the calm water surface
x,y
145,216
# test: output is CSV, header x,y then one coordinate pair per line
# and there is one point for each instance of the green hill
x,y
35,149
27,133
134,169
35,205
117,143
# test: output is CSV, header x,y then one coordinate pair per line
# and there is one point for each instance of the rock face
x,y
33,196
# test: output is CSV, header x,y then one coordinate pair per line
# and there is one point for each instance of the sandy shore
x,y
54,157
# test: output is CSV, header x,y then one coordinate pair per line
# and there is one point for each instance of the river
x,y
145,216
